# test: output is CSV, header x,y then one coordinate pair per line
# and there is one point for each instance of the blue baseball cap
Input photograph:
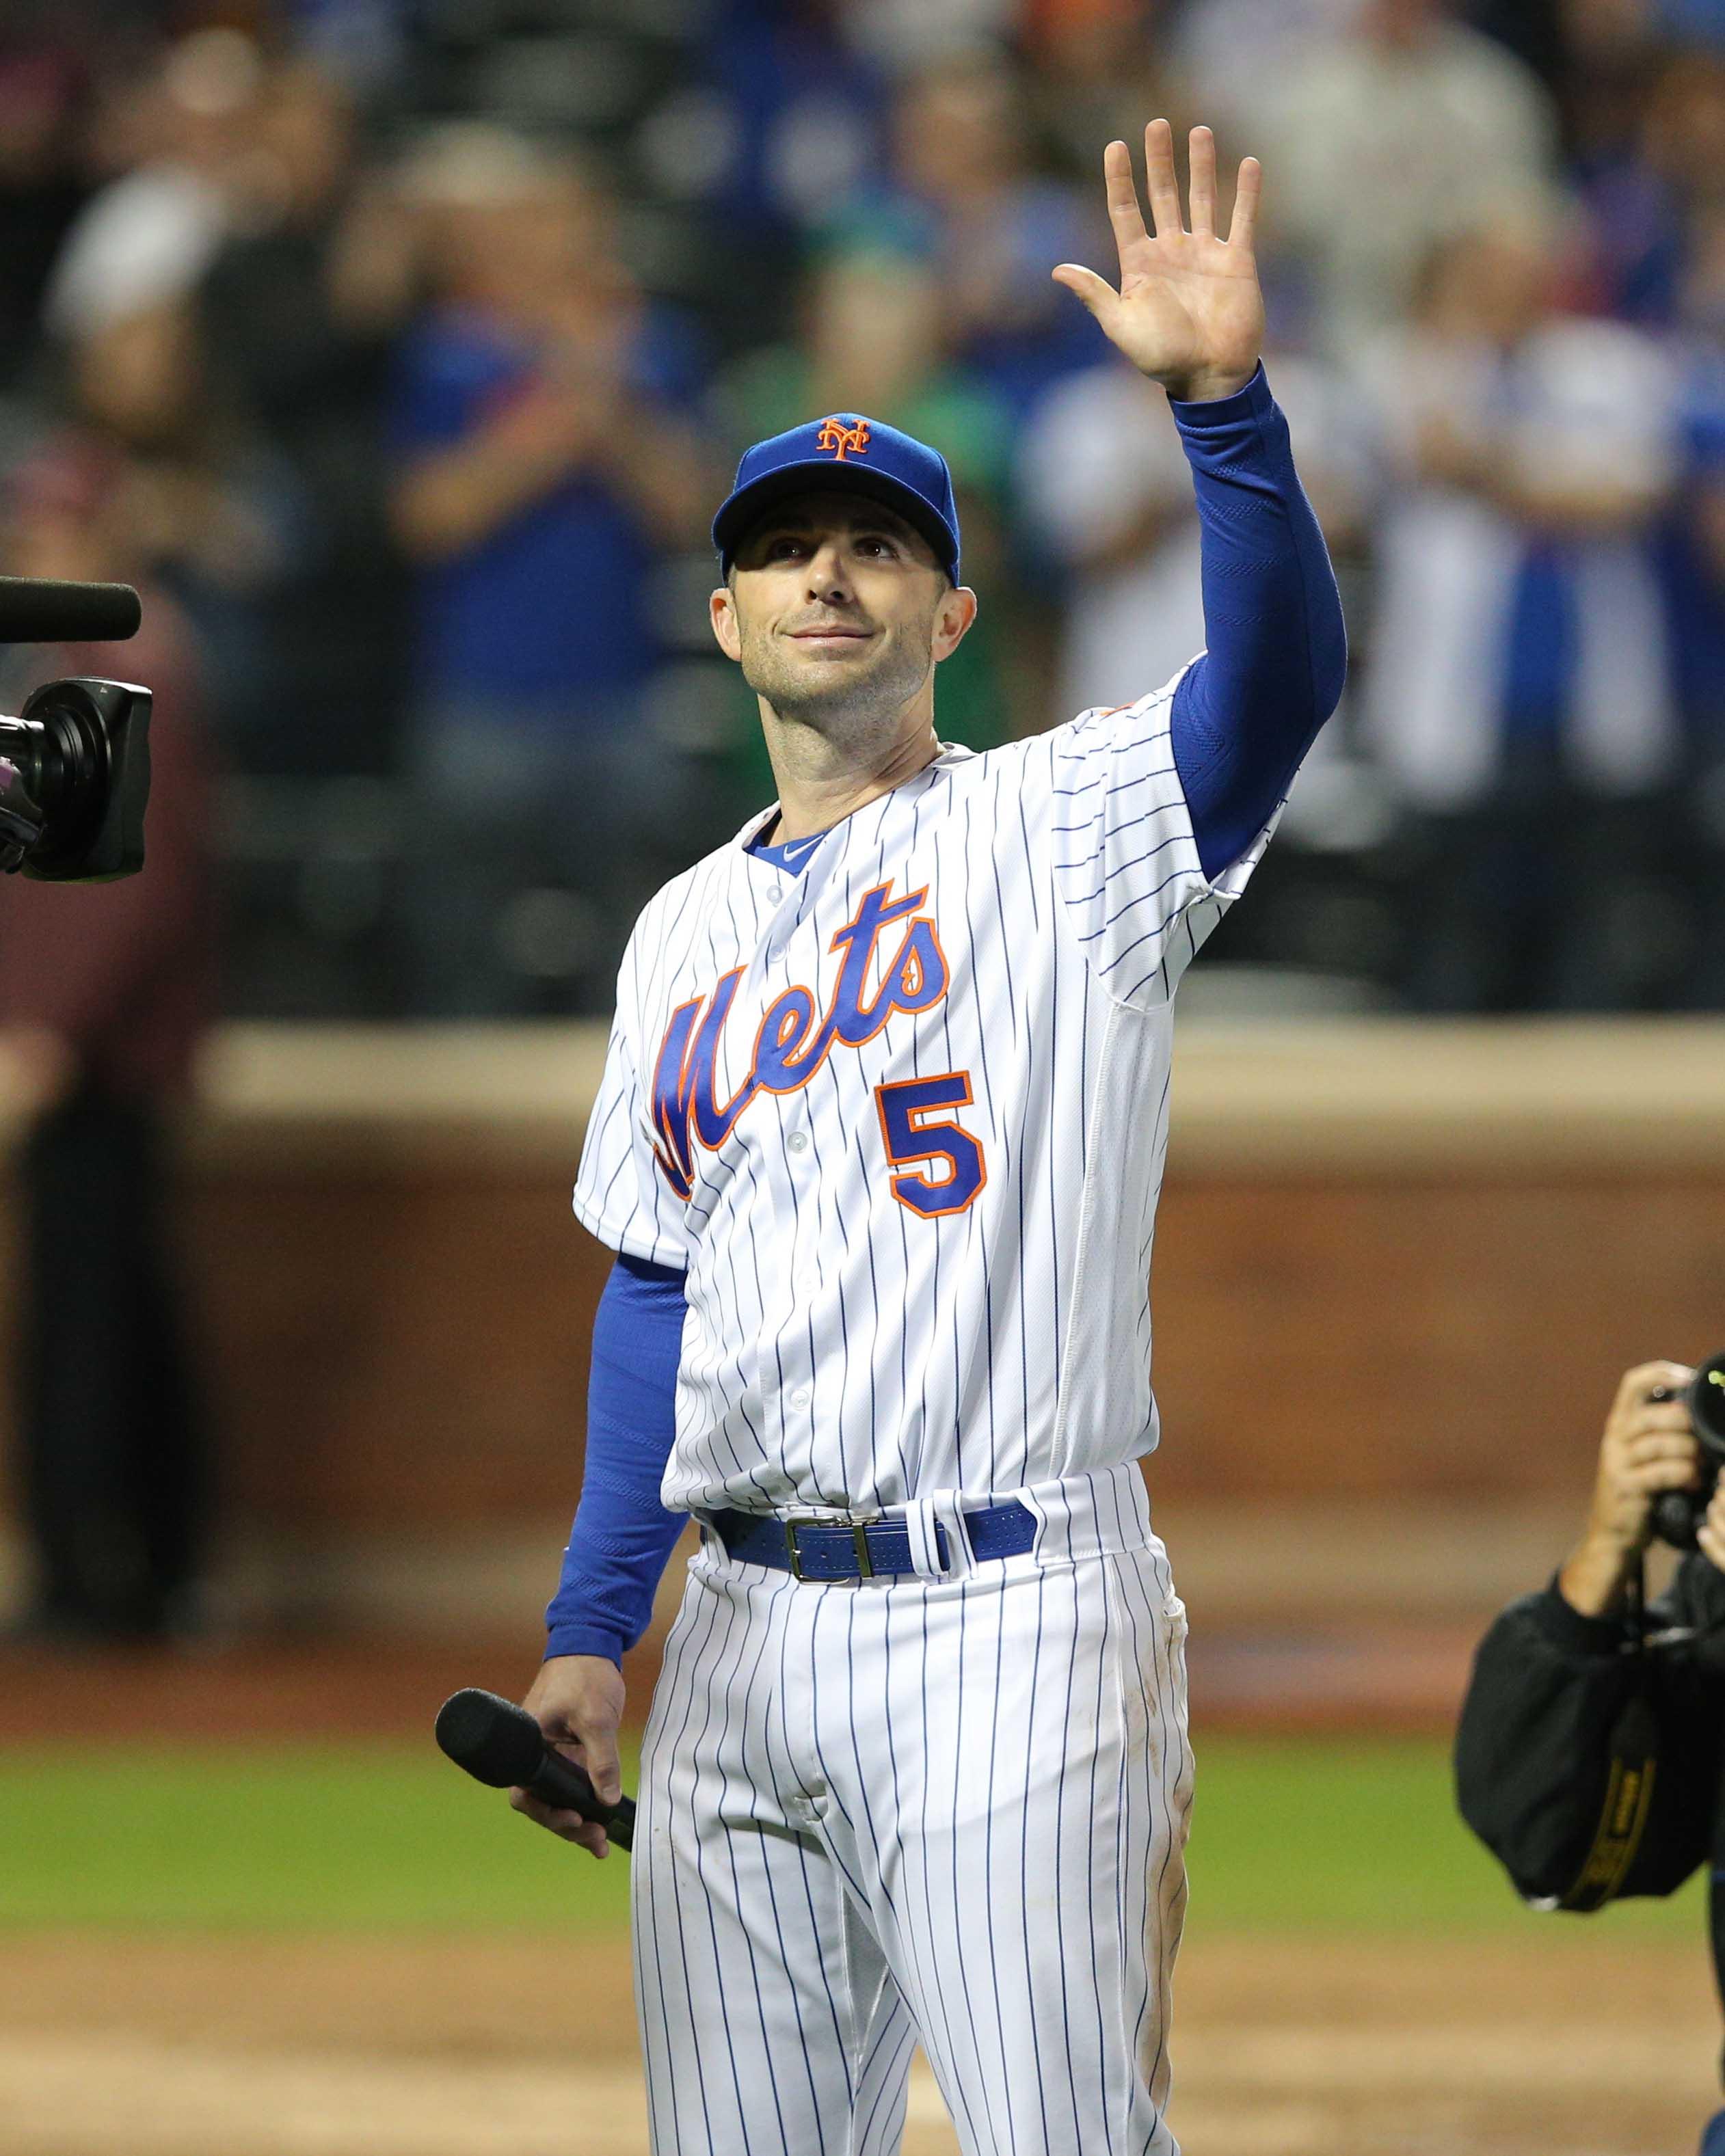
x,y
845,450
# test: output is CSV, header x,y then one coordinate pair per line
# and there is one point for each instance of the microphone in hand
x,y
501,1745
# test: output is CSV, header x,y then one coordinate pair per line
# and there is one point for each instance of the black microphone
x,y
501,1745
38,610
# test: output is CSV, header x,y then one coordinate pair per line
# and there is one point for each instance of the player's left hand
x,y
1189,312
577,1700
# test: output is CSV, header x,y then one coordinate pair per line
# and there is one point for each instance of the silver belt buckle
x,y
859,1535
790,1526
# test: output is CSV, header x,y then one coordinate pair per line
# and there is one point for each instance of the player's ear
x,y
722,608
952,617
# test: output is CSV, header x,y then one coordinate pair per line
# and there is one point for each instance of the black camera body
x,y
74,764
1678,1513
74,780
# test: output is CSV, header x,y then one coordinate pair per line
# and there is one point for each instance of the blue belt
x,y
812,1548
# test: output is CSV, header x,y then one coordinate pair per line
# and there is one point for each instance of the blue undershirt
x,y
1243,715
1246,713
622,1536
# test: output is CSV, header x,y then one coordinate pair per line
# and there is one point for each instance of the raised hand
x,y
1188,312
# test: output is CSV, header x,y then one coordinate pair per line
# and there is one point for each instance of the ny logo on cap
x,y
843,440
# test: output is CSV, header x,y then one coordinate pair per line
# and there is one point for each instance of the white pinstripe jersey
x,y
902,1119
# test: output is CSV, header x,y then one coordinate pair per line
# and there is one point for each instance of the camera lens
x,y
51,758
20,766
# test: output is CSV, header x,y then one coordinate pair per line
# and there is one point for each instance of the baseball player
x,y
878,1145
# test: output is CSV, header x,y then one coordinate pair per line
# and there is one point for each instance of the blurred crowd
x,y
401,352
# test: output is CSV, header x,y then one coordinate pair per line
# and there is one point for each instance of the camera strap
x,y
1632,1773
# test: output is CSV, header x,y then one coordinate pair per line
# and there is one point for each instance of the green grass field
x,y
1306,1835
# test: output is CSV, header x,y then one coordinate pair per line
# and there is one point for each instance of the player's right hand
x,y
578,1702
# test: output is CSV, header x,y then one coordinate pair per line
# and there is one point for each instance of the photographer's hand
x,y
1710,1535
1648,1447
39,1067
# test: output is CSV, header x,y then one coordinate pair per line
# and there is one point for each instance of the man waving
x,y
878,1145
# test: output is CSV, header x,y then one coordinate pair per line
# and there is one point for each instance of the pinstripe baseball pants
x,y
952,1811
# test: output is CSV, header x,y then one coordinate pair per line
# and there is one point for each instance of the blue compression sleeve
x,y
1246,713
623,1535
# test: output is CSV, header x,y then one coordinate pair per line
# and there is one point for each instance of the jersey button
x,y
799,1399
798,1141
776,892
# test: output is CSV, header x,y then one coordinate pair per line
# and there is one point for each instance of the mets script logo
x,y
842,440
794,1039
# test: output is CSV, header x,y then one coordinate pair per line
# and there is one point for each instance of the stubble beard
x,y
857,709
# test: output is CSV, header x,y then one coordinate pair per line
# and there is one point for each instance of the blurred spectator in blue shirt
x,y
780,116
1646,198
1698,566
1694,562
547,461
964,192
804,116
1519,688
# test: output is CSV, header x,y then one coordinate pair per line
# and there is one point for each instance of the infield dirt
x,y
274,2047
